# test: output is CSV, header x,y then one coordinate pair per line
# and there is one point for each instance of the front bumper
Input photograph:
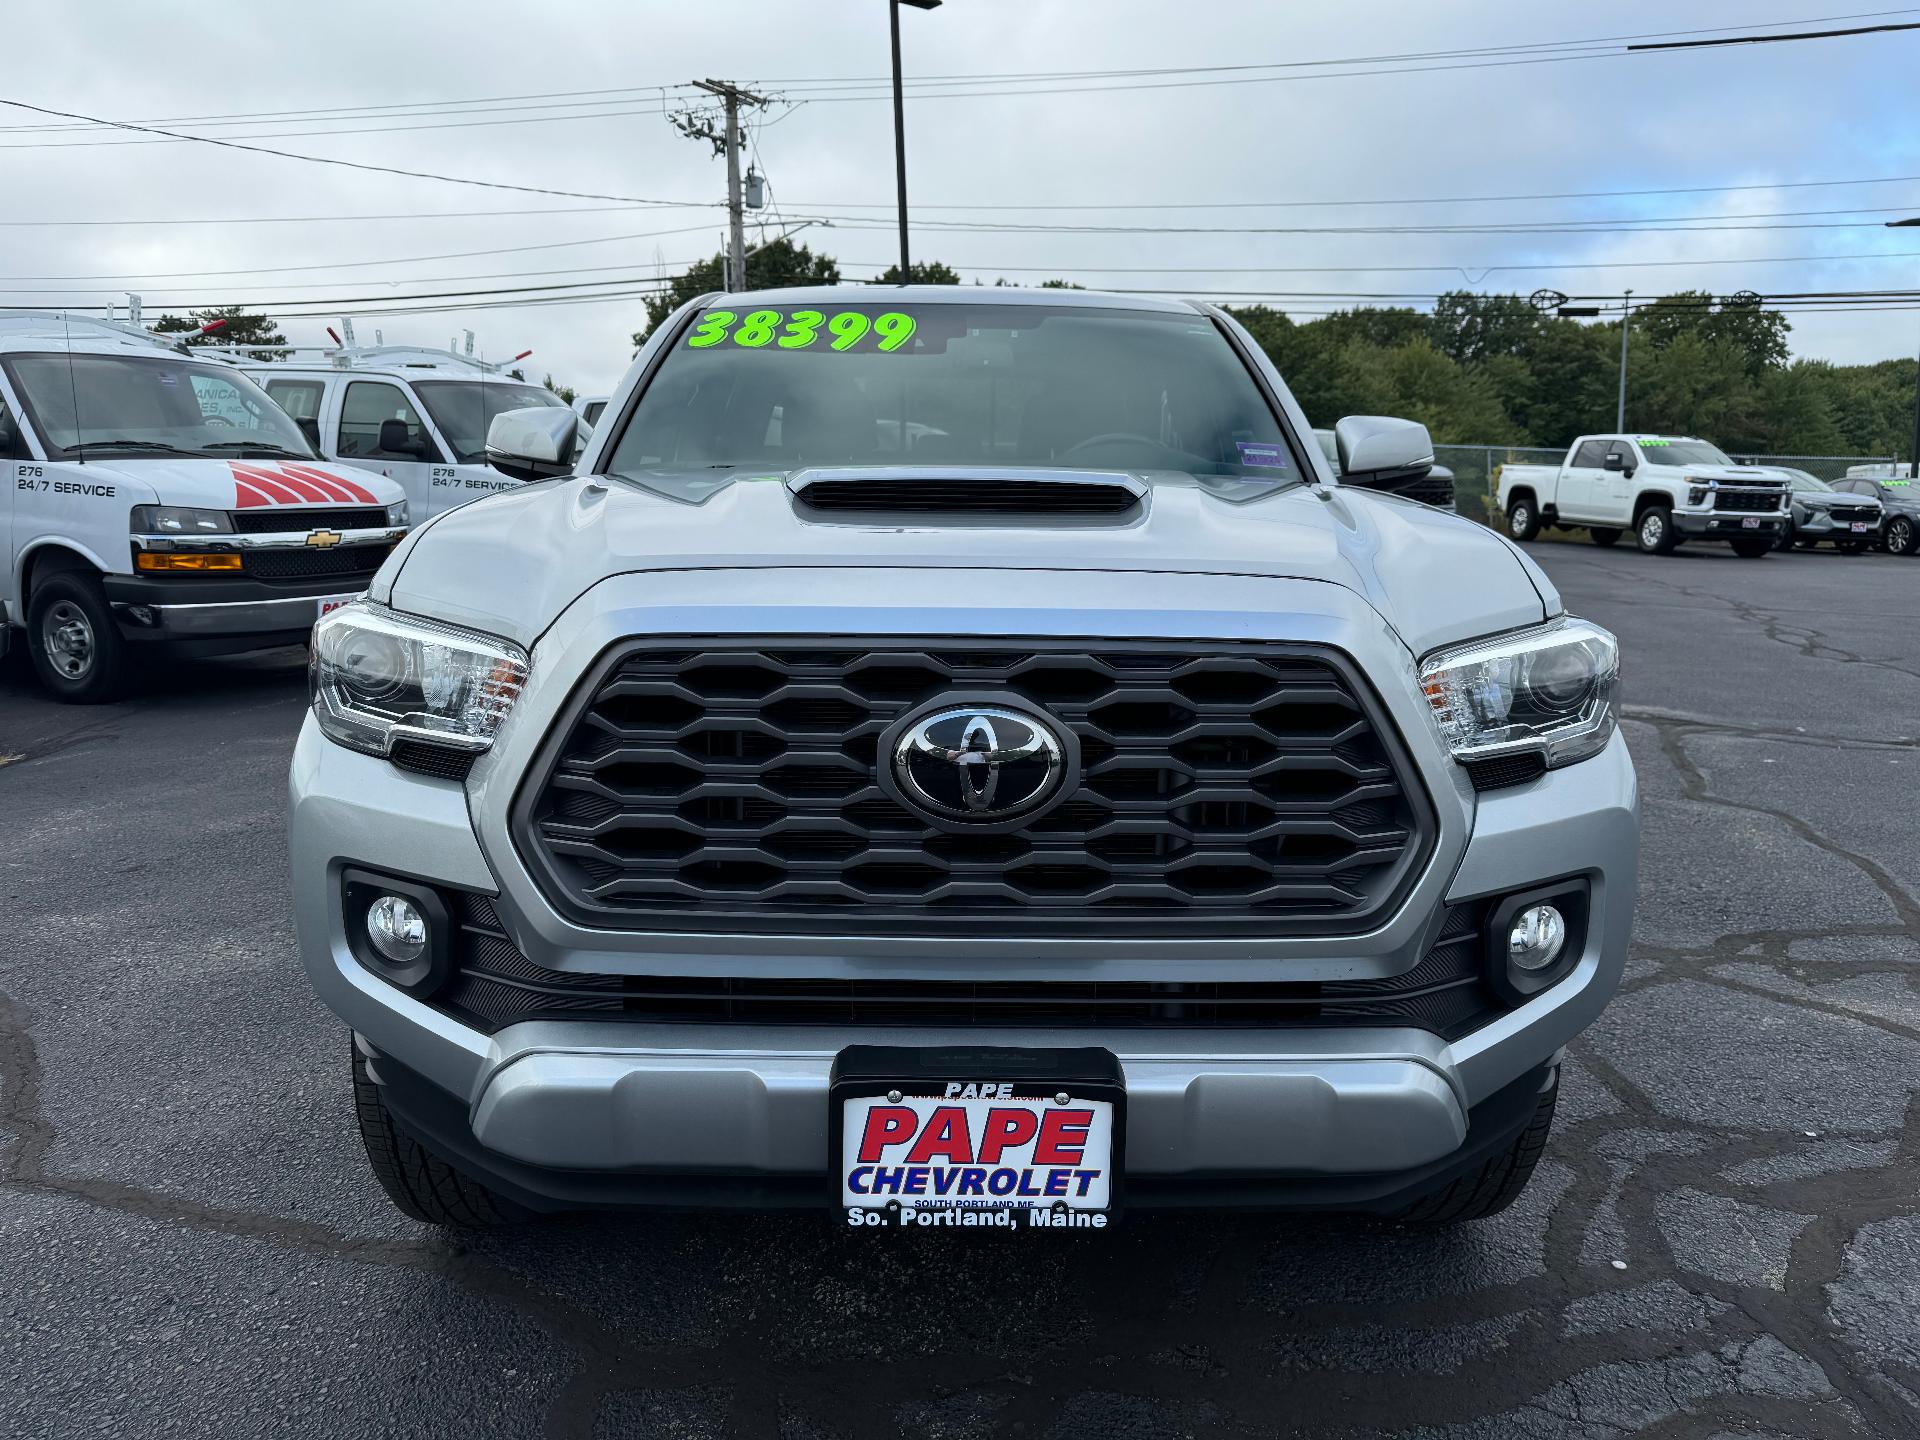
x,y
1713,525
1820,525
221,613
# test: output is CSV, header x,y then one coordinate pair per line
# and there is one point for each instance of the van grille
x,y
728,785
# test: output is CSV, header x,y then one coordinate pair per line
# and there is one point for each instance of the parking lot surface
x,y
1724,1239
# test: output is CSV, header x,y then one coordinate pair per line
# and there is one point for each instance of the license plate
x,y
334,602
976,1139
1752,522
1858,527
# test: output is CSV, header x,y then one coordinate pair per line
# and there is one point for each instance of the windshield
x,y
139,405
975,384
1801,480
463,409
1682,452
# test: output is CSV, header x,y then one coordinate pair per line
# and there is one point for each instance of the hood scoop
x,y
978,493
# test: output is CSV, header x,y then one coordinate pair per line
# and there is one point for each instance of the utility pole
x,y
1626,324
727,142
900,125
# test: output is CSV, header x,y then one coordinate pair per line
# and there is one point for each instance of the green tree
x,y
778,263
919,272
1471,327
243,328
565,392
1759,334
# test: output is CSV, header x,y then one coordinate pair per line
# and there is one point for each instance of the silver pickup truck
x,y
958,759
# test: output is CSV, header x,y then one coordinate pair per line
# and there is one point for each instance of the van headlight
x,y
1549,690
378,677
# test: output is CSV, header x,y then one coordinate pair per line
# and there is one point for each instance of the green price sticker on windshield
x,y
801,329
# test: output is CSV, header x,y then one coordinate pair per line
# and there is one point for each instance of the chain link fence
x,y
1476,470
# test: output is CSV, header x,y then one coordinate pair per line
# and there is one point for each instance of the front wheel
x,y
1752,549
1523,521
1496,1184
1788,539
76,645
421,1185
1655,531
1901,535
1603,536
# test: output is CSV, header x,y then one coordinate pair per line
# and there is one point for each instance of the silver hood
x,y
512,563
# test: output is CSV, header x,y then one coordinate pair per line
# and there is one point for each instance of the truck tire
x,y
1655,532
1901,535
1752,549
419,1183
1604,535
1789,538
75,642
1523,518
1496,1184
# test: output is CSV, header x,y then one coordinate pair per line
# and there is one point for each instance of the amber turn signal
x,y
197,561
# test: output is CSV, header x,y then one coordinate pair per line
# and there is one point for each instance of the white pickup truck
x,y
1665,488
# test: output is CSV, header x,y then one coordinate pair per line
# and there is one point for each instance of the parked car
x,y
1666,489
589,407
1823,512
1900,530
1097,810
1434,488
154,502
417,416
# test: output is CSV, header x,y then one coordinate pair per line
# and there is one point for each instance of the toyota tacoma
x,y
958,761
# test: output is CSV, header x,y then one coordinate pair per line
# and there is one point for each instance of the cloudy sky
x,y
1160,180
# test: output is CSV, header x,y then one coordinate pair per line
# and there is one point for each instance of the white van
x,y
416,416
152,501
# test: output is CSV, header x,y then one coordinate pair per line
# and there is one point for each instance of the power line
x,y
346,164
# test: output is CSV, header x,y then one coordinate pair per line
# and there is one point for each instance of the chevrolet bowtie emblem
x,y
323,539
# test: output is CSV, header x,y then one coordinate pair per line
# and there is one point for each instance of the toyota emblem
x,y
977,766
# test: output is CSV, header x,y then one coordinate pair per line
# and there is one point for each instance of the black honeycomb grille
x,y
304,564
705,785
274,520
493,985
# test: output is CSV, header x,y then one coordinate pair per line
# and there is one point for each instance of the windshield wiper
x,y
83,446
262,447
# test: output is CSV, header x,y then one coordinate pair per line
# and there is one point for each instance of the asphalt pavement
x,y
1724,1238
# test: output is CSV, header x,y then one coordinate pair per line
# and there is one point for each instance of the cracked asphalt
x,y
1724,1238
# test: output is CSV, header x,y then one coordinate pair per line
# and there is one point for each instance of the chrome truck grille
x,y
734,785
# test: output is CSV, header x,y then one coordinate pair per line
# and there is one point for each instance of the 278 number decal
x,y
802,328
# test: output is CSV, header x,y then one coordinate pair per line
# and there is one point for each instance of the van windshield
x,y
463,409
131,405
954,383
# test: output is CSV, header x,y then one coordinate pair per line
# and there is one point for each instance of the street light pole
x,y
900,123
1914,455
1626,324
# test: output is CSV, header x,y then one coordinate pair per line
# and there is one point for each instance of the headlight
x,y
378,677
1548,690
397,514
177,520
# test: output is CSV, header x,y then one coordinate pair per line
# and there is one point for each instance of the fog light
x,y
398,930
1538,936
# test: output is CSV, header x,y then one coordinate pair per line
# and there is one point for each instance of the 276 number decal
x,y
802,328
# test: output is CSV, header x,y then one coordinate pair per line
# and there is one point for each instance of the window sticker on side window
x,y
802,329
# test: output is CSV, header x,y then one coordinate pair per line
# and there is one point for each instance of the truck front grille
x,y
493,985
730,785
1748,502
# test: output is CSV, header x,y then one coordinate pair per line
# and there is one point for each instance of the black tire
x,y
1523,518
1654,531
1496,1184
76,645
1754,548
1788,539
1603,536
419,1183
1902,535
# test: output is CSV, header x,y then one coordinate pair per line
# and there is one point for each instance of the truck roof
x,y
960,295
90,335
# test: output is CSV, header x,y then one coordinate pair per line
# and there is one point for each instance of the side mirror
x,y
533,444
396,438
1614,461
1378,452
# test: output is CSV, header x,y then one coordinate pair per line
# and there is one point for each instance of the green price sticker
x,y
801,329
